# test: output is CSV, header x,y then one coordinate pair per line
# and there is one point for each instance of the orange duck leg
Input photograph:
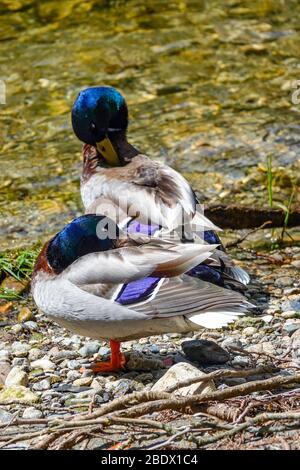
x,y
117,360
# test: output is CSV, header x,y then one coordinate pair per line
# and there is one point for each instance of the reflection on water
x,y
208,88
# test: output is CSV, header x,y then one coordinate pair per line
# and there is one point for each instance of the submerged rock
x,y
205,352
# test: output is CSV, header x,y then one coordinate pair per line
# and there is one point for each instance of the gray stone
x,y
231,343
5,416
73,375
34,354
205,352
20,362
73,364
292,304
89,349
30,325
66,354
179,373
43,363
290,326
32,413
103,351
284,281
42,385
19,349
242,361
16,376
140,362
120,387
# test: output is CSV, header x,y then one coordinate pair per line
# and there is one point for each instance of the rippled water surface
x,y
209,89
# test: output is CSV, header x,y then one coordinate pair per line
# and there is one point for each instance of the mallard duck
x,y
136,191
94,280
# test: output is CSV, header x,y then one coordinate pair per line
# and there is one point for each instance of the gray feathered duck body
x,y
119,289
147,196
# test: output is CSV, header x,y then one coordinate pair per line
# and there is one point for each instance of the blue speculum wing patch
x,y
142,289
137,291
137,227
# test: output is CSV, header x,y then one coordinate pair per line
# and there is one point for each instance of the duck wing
x,y
145,189
129,263
203,303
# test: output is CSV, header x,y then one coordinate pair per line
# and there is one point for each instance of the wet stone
x,y
205,352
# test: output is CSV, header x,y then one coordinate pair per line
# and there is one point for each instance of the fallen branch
x,y
223,373
183,403
259,419
238,217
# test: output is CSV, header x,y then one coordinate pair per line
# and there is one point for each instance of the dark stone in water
x,y
205,352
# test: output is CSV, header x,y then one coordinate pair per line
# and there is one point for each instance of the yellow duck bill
x,y
106,149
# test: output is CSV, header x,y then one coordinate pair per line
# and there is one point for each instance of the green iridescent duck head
x,y
97,114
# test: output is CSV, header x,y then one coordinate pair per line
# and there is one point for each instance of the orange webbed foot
x,y
111,366
117,361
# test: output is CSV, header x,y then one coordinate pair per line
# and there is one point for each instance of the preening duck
x,y
134,190
94,280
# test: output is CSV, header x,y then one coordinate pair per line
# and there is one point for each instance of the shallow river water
x,y
209,86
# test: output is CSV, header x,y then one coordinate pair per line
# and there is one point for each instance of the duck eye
x,y
93,127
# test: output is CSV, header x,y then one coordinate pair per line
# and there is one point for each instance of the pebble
x,y
18,392
103,351
249,331
83,382
34,354
284,281
32,413
295,338
17,328
31,325
73,364
66,354
292,304
179,373
42,385
4,371
290,314
16,376
120,387
5,416
24,314
73,375
242,361
19,349
290,326
20,361
89,349
205,352
4,355
43,363
141,362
